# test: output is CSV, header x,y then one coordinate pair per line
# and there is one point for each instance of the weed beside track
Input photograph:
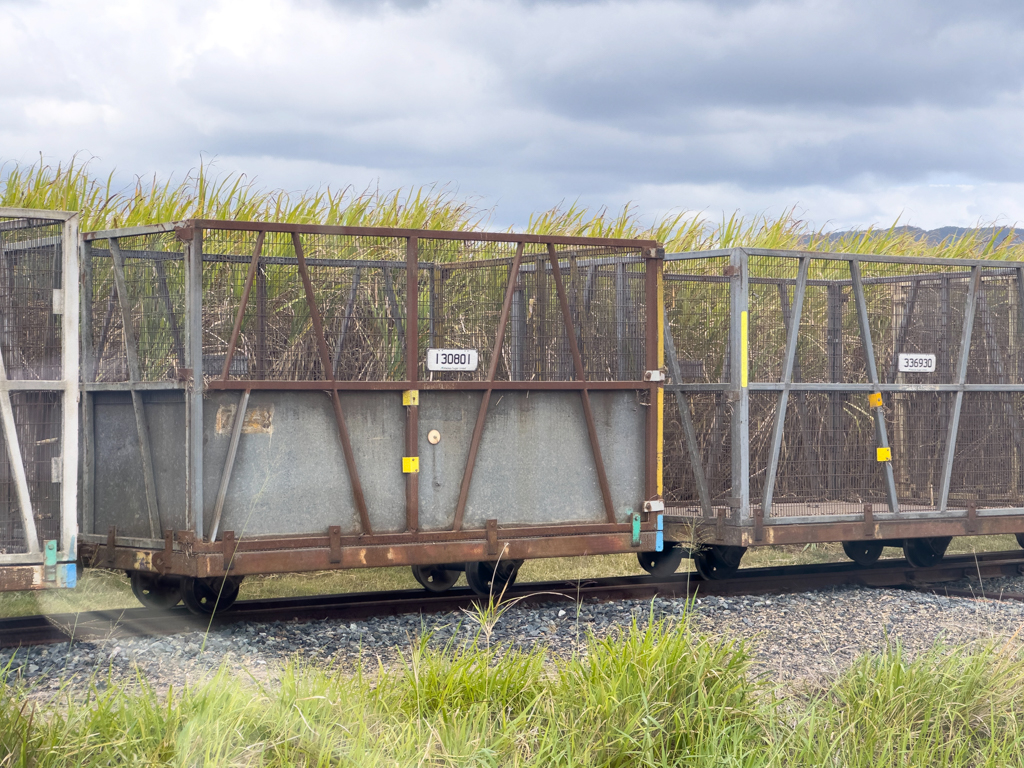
x,y
649,695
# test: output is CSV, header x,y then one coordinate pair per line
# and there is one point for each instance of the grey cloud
x,y
552,99
851,55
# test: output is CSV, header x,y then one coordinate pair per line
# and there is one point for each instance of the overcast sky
x,y
854,111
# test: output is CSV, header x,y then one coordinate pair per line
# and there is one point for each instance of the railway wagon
x,y
38,399
872,400
261,398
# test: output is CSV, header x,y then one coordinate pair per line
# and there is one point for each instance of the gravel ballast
x,y
807,635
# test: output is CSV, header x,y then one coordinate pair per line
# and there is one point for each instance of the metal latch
x,y
654,376
50,560
654,505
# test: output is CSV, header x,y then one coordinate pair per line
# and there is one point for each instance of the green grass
x,y
656,695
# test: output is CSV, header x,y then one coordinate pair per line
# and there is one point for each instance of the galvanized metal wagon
x,y
873,400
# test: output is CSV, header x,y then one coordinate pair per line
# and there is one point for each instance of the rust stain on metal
x,y
143,560
259,419
492,537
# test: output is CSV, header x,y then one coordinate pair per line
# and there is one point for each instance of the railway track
x,y
97,625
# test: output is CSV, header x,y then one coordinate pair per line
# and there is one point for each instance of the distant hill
x,y
936,236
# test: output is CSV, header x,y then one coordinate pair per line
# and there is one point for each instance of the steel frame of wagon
x,y
743,521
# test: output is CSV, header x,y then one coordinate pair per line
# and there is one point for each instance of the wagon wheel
x,y
662,563
204,596
1020,539
154,591
863,552
435,578
718,561
491,579
924,553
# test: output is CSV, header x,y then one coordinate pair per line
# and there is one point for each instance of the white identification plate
x,y
452,359
914,362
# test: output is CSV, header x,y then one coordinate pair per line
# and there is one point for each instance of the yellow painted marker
x,y
744,352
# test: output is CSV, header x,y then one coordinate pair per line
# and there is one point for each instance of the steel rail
x,y
136,622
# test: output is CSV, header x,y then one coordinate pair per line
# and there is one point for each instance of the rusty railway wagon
x,y
259,398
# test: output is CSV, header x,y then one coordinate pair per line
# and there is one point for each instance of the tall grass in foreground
x,y
655,696
203,193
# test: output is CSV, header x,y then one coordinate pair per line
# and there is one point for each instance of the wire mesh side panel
x,y
827,462
359,289
996,356
711,415
917,424
989,451
460,306
829,346
154,277
772,289
604,290
12,531
696,295
359,286
31,253
915,308
38,416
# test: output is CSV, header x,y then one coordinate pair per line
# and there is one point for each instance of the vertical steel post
x,y
881,434
739,300
70,365
787,381
194,361
412,358
654,351
961,379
